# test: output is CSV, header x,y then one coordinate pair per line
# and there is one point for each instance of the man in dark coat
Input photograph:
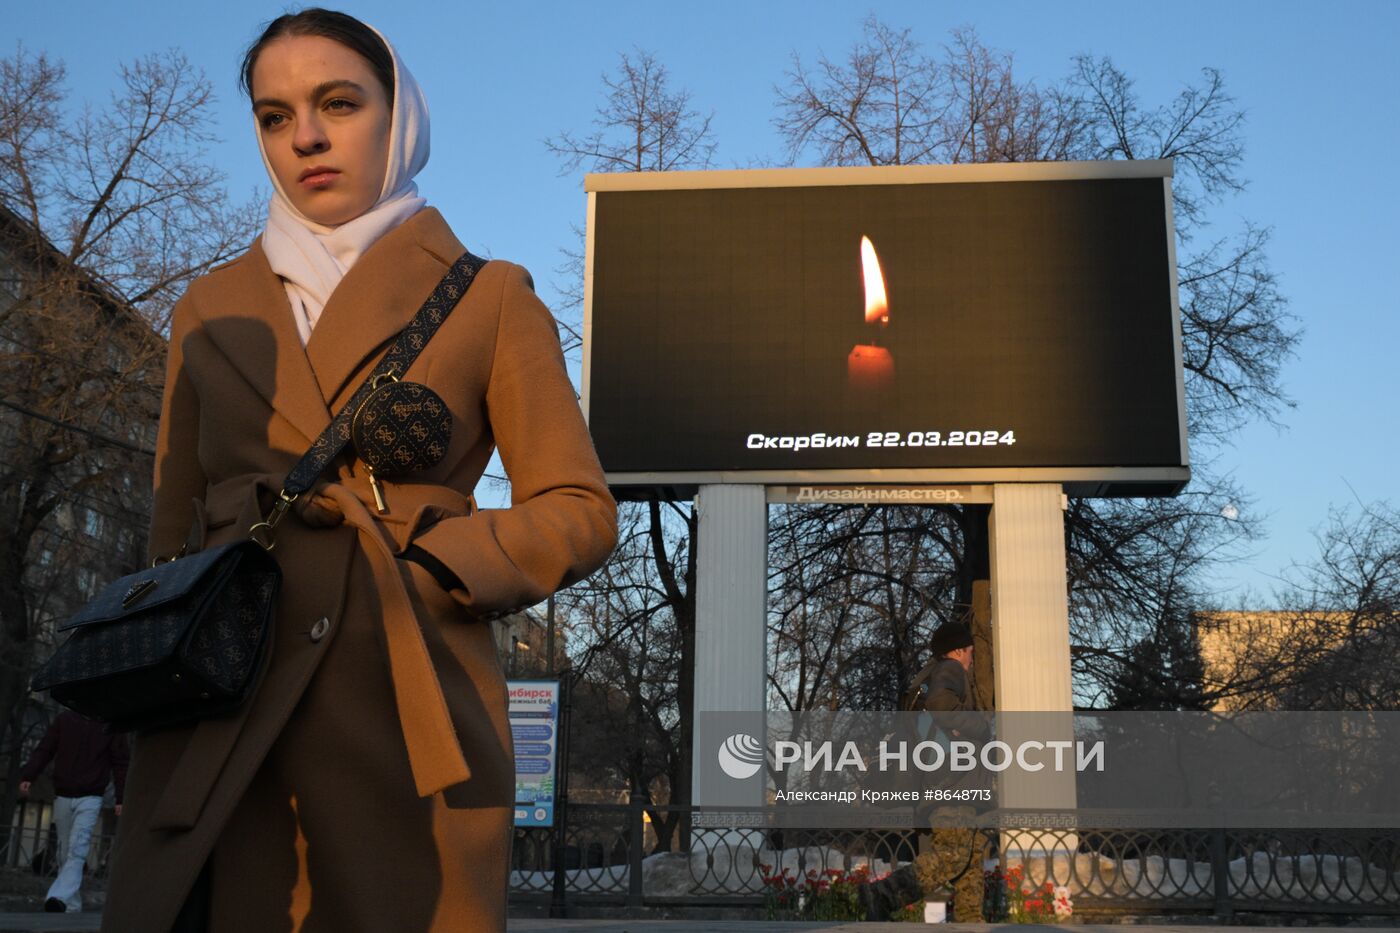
x,y
953,853
85,758
942,686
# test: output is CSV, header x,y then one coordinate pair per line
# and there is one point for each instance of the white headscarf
x,y
312,258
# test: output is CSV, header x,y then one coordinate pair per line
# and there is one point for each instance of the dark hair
x,y
329,24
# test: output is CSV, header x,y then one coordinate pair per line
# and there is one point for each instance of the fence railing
x,y
30,841
609,852
1225,870
605,852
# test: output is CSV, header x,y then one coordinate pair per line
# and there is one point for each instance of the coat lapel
x,y
378,297
274,364
373,302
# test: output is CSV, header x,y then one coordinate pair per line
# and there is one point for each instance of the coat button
x,y
318,631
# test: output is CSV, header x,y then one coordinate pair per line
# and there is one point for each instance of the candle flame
x,y
877,306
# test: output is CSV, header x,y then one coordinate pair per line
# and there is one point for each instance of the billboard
x,y
912,324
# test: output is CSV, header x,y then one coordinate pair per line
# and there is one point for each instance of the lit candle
x,y
870,366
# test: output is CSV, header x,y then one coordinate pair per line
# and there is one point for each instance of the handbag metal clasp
x,y
137,590
158,559
262,531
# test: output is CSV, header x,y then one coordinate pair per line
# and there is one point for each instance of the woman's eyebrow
x,y
317,92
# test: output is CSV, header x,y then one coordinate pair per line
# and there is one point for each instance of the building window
x,y
92,524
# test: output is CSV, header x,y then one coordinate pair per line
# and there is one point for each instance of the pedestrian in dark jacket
x,y
942,685
953,854
85,758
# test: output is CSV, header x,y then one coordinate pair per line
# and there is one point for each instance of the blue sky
x,y
1318,82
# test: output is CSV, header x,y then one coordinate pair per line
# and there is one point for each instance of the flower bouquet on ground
x,y
833,894
1029,903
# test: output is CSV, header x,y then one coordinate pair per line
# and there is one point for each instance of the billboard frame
x,y
1077,481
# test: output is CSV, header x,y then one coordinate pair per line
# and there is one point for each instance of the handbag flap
x,y
153,586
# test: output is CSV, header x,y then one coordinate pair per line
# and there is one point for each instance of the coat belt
x,y
434,751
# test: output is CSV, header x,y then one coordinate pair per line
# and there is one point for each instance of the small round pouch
x,y
400,427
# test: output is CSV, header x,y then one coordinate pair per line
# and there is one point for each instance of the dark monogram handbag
x,y
189,637
183,639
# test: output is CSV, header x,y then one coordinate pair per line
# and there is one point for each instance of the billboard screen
x,y
782,325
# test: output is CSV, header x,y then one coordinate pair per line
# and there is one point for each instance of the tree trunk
x,y
975,592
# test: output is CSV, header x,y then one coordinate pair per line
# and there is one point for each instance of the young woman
x,y
368,784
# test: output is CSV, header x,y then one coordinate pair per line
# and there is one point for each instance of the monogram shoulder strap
x,y
410,342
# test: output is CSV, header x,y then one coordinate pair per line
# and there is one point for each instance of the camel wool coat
x,y
368,785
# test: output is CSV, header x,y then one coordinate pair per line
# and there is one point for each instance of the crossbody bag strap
x,y
411,341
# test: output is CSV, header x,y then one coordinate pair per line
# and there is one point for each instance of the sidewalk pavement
x,y
89,921
51,923
760,926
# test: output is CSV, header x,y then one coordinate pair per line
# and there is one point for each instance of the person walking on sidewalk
x,y
952,857
85,758
954,854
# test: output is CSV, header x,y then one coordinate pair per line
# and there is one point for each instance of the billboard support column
x,y
1030,632
730,609
1030,602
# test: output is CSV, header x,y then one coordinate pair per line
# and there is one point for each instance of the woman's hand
x,y
318,509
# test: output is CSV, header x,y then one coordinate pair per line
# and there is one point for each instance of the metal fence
x,y
1338,871
603,848
604,854
31,842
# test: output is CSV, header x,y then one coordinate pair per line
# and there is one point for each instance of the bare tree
x,y
643,125
995,118
1333,643
105,214
1200,130
854,595
1235,336
890,104
124,191
645,642
884,105
633,628
1135,565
